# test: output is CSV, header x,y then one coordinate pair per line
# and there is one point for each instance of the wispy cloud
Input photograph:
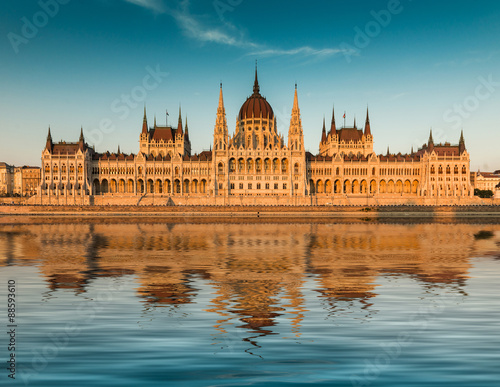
x,y
304,51
396,96
194,29
154,5
473,57
227,34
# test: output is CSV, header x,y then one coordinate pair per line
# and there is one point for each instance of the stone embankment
x,y
269,212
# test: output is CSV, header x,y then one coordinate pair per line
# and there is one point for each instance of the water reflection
x,y
257,273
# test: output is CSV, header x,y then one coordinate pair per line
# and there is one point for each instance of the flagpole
x,y
344,118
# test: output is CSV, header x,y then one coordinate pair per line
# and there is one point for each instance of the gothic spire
x,y
186,132
144,122
295,100
367,124
48,144
81,140
179,124
256,88
355,122
461,143
118,151
220,109
430,142
323,133
333,128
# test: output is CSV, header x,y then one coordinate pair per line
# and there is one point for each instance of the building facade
x,y
486,181
26,180
255,165
6,179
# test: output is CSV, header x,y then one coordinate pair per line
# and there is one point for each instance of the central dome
x,y
256,105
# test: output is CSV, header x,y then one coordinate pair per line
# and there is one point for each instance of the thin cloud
x,y
304,51
396,96
196,30
154,5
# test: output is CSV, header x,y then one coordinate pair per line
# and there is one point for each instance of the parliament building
x,y
255,165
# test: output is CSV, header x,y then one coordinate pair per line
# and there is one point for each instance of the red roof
x,y
165,133
64,148
349,134
254,106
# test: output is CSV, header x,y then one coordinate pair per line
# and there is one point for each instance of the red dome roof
x,y
256,104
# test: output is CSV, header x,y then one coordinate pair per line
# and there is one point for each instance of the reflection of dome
x,y
255,105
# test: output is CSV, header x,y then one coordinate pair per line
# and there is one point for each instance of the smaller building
x,y
6,179
485,181
26,180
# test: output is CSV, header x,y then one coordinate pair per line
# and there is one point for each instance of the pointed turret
x,y
81,140
144,122
186,132
323,133
220,130
118,152
295,132
295,101
355,122
430,143
461,143
388,150
220,108
256,88
367,124
179,123
49,144
333,128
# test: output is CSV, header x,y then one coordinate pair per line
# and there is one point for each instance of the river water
x,y
151,303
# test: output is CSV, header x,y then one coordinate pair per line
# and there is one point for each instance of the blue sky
x,y
95,63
